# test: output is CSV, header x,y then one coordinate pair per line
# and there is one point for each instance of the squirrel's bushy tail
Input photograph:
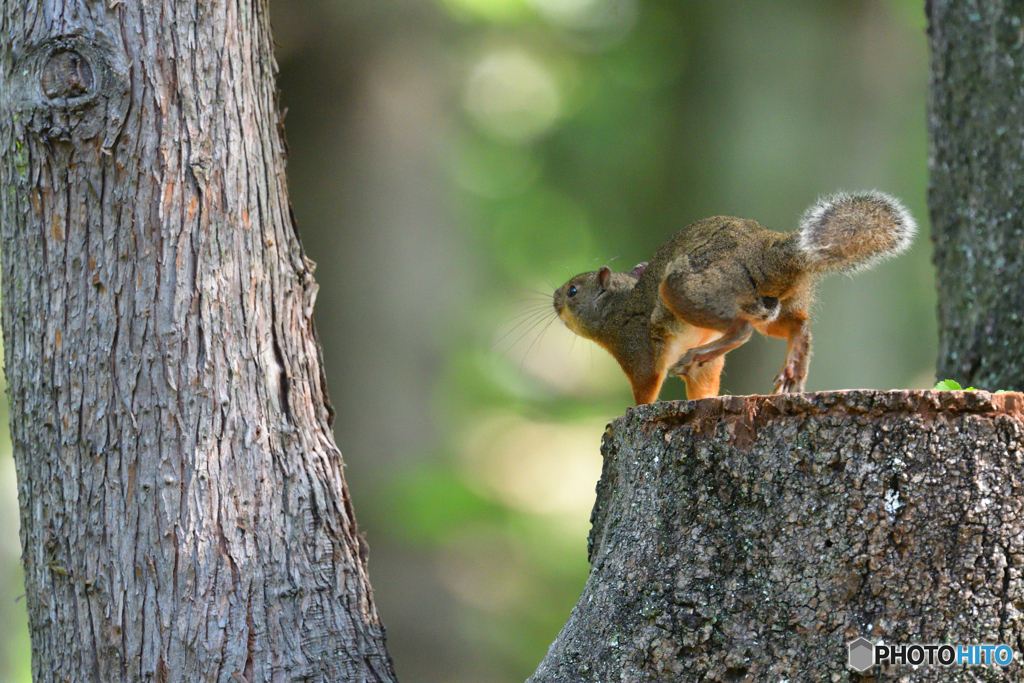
x,y
852,231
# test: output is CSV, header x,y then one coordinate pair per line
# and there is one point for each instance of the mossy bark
x,y
750,538
976,197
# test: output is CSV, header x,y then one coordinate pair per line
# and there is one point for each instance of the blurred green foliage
x,y
15,660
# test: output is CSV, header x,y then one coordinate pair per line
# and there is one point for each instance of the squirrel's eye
x,y
571,291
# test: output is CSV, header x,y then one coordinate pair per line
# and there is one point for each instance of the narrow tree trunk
x,y
749,539
976,125
183,511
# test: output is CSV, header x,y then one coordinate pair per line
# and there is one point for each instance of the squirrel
x,y
719,279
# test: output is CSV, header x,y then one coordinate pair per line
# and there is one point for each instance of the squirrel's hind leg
x,y
795,329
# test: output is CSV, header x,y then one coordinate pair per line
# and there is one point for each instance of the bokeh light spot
x,y
544,468
594,24
512,96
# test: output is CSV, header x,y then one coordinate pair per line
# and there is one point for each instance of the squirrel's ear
x,y
638,270
603,276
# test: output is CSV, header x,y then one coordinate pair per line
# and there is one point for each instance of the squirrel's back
x,y
720,267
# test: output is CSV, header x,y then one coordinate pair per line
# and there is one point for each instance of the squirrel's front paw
x,y
686,363
790,380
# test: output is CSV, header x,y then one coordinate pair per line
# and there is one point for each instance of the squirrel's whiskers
x,y
537,312
536,340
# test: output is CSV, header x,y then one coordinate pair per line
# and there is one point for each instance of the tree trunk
x,y
183,511
750,538
976,125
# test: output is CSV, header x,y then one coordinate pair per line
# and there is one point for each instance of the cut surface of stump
x,y
752,538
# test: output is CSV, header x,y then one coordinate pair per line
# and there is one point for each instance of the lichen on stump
x,y
750,538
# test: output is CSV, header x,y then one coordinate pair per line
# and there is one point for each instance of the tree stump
x,y
751,538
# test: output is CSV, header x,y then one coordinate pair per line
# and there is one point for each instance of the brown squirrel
x,y
717,280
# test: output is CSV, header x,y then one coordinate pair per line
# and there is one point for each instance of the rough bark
x,y
183,511
750,538
976,126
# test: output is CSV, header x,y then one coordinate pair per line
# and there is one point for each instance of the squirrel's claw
x,y
685,364
783,384
680,369
788,381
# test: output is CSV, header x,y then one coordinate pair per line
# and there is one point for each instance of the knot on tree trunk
x,y
751,538
71,86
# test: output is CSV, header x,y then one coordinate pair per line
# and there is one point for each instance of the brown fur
x,y
710,285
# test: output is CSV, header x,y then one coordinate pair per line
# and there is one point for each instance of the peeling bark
x,y
750,538
184,516
976,196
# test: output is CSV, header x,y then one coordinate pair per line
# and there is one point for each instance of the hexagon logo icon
x,y
862,655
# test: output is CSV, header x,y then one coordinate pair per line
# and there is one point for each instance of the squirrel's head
x,y
585,302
